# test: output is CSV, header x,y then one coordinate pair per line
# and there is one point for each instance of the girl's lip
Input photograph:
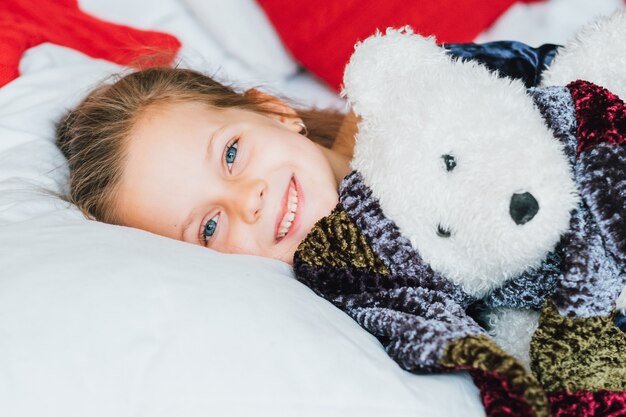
x,y
296,220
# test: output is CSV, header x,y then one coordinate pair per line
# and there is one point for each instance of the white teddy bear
x,y
491,188
470,193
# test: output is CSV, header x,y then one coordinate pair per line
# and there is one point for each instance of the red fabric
x,y
321,34
587,404
498,398
27,23
600,115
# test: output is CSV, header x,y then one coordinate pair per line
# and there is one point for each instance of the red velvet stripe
x,y
600,115
588,404
498,399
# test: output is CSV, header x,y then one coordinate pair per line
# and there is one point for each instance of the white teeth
x,y
285,224
292,206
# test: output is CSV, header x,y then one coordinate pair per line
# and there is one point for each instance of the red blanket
x,y
28,23
321,34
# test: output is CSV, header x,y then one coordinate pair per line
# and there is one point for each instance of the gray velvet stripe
x,y
416,343
530,289
602,180
587,288
557,108
414,322
592,276
390,245
423,302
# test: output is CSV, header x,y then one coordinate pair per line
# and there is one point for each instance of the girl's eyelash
x,y
233,145
208,226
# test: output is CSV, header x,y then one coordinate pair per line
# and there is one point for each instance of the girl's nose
x,y
249,199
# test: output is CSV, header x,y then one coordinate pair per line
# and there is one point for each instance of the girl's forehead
x,y
184,109
187,115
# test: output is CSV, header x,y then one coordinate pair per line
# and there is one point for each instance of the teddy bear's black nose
x,y
523,208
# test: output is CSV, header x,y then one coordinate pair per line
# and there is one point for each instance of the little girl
x,y
175,153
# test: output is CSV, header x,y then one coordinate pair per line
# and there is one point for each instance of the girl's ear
x,y
279,110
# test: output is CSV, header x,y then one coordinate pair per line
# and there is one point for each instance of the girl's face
x,y
232,180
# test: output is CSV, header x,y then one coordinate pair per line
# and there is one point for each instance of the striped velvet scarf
x,y
358,259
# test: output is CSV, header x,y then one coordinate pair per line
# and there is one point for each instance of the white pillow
x,y
100,320
245,32
97,320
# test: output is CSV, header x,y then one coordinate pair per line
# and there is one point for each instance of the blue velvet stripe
x,y
620,321
510,58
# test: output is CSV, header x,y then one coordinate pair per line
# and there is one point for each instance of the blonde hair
x,y
93,135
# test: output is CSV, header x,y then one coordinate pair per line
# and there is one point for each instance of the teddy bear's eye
x,y
441,232
449,161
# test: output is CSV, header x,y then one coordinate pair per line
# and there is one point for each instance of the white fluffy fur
x,y
621,301
513,330
596,54
501,145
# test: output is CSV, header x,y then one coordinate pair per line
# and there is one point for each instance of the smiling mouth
x,y
288,213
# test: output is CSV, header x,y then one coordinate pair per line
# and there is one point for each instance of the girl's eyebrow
x,y
211,142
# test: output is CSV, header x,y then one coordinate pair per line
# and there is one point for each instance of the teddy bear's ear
x,y
373,77
596,54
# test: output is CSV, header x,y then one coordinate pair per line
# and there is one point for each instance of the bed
x,y
101,320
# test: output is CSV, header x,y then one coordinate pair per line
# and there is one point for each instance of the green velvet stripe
x,y
483,354
335,241
578,354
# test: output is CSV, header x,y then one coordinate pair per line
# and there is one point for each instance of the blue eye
x,y
231,154
209,228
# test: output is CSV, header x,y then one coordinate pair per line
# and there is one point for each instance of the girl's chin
x,y
296,240
287,255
